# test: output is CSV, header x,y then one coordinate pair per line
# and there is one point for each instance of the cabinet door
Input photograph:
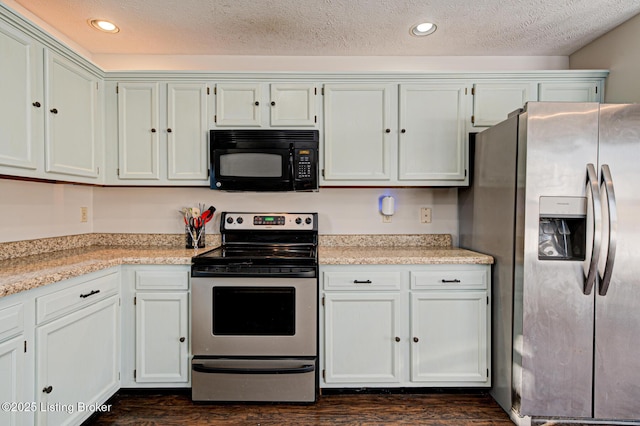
x,y
362,337
70,120
187,131
493,102
77,362
21,117
138,136
432,139
449,337
238,104
357,132
569,92
293,105
12,373
162,353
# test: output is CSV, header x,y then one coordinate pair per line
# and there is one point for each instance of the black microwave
x,y
264,160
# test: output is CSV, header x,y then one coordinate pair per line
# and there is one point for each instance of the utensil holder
x,y
194,237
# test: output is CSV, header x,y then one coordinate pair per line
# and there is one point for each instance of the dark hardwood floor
x,y
176,408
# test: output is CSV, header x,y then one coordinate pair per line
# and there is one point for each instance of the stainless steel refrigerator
x,y
555,198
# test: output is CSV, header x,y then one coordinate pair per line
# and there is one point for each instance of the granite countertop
x,y
25,272
28,272
359,255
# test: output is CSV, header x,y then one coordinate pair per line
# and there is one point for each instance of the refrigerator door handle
x,y
611,221
593,192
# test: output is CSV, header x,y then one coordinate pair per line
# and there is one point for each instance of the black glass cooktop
x,y
258,254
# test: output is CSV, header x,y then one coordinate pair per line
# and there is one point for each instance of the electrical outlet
x,y
425,215
84,214
386,218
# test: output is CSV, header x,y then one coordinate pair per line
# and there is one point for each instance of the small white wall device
x,y
388,205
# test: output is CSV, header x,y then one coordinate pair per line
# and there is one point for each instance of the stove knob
x,y
240,219
307,221
298,220
229,220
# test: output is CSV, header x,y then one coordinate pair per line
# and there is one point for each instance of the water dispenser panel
x,y
562,228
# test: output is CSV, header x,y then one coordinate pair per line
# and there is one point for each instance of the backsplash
x,y
12,250
36,210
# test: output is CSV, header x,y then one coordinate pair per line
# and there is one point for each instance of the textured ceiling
x,y
336,27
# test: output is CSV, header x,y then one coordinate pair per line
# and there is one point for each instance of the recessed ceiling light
x,y
104,26
423,29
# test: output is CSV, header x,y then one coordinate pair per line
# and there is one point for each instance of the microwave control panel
x,y
304,164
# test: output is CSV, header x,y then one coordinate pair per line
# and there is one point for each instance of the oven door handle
x,y
306,368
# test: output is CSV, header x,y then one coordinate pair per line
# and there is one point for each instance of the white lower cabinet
x,y
161,337
78,352
361,331
449,337
12,371
12,365
156,333
405,326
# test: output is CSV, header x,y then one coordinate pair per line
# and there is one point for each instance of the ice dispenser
x,y
562,228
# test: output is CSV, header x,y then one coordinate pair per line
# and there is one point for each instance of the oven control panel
x,y
266,221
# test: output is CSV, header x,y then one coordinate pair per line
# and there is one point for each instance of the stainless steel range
x,y
255,310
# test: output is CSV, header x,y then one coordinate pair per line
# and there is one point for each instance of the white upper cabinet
x,y
71,138
187,129
21,105
162,133
432,139
293,104
238,104
244,105
567,91
385,134
358,119
492,102
50,112
138,137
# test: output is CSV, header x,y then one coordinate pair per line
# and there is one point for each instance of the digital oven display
x,y
268,220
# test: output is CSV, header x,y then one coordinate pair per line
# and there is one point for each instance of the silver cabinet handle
x,y
593,190
612,223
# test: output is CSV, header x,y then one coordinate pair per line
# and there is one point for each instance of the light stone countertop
x,y
26,272
400,256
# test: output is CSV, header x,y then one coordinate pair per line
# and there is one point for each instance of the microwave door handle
x,y
292,172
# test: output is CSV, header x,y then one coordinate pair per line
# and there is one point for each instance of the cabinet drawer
x,y
75,297
449,279
364,280
11,321
162,280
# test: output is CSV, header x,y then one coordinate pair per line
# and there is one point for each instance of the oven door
x,y
251,169
254,316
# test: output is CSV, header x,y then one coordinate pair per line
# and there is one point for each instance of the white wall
x,y
618,51
231,63
341,210
30,210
